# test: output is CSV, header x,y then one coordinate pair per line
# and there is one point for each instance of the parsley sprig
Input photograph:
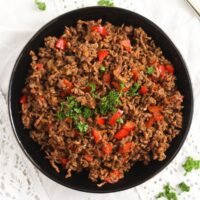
x,y
40,5
190,164
134,90
109,3
108,103
73,109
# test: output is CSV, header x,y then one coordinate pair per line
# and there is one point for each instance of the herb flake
x,y
184,187
134,90
191,164
109,3
40,5
150,70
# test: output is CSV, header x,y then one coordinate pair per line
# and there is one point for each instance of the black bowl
x,y
79,181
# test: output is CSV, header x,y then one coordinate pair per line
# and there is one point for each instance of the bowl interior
x,y
139,173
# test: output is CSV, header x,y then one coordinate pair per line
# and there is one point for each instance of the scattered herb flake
x,y
122,85
87,112
168,193
40,5
184,187
92,86
82,127
134,90
109,102
191,164
150,70
102,69
109,3
120,121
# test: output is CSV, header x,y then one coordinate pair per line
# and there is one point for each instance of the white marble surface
x,y
20,19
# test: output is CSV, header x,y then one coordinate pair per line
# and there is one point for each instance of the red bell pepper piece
x,y
116,85
100,121
23,99
102,54
88,157
154,109
143,90
150,122
61,44
39,66
115,117
97,135
161,69
63,161
67,83
100,29
129,126
169,69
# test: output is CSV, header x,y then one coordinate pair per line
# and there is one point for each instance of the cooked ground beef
x,y
101,98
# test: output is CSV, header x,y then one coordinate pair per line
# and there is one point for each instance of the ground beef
x,y
87,63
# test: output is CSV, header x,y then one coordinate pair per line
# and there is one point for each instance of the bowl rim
x,y
121,188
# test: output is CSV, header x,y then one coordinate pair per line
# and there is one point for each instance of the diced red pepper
x,y
106,78
23,99
135,74
97,135
88,157
129,126
115,117
102,54
61,44
121,134
64,93
100,121
87,89
154,109
107,148
67,83
161,69
150,122
126,44
169,69
100,29
126,147
39,66
63,161
116,85
143,90
126,89
158,116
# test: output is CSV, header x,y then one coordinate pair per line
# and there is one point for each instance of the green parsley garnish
x,y
92,86
40,5
120,121
109,3
150,70
87,112
109,102
184,187
134,90
102,69
168,193
191,164
82,127
122,85
73,109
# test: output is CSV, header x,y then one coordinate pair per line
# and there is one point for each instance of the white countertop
x,y
20,19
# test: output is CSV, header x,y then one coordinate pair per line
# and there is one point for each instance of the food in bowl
x,y
101,98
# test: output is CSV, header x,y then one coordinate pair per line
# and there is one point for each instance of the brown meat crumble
x,y
101,98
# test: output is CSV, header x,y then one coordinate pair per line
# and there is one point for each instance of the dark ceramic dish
x,y
79,181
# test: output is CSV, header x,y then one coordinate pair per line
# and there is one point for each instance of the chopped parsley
x,y
122,85
40,5
109,102
82,127
102,69
120,121
191,164
168,193
87,112
73,109
109,3
150,70
184,187
92,86
134,90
